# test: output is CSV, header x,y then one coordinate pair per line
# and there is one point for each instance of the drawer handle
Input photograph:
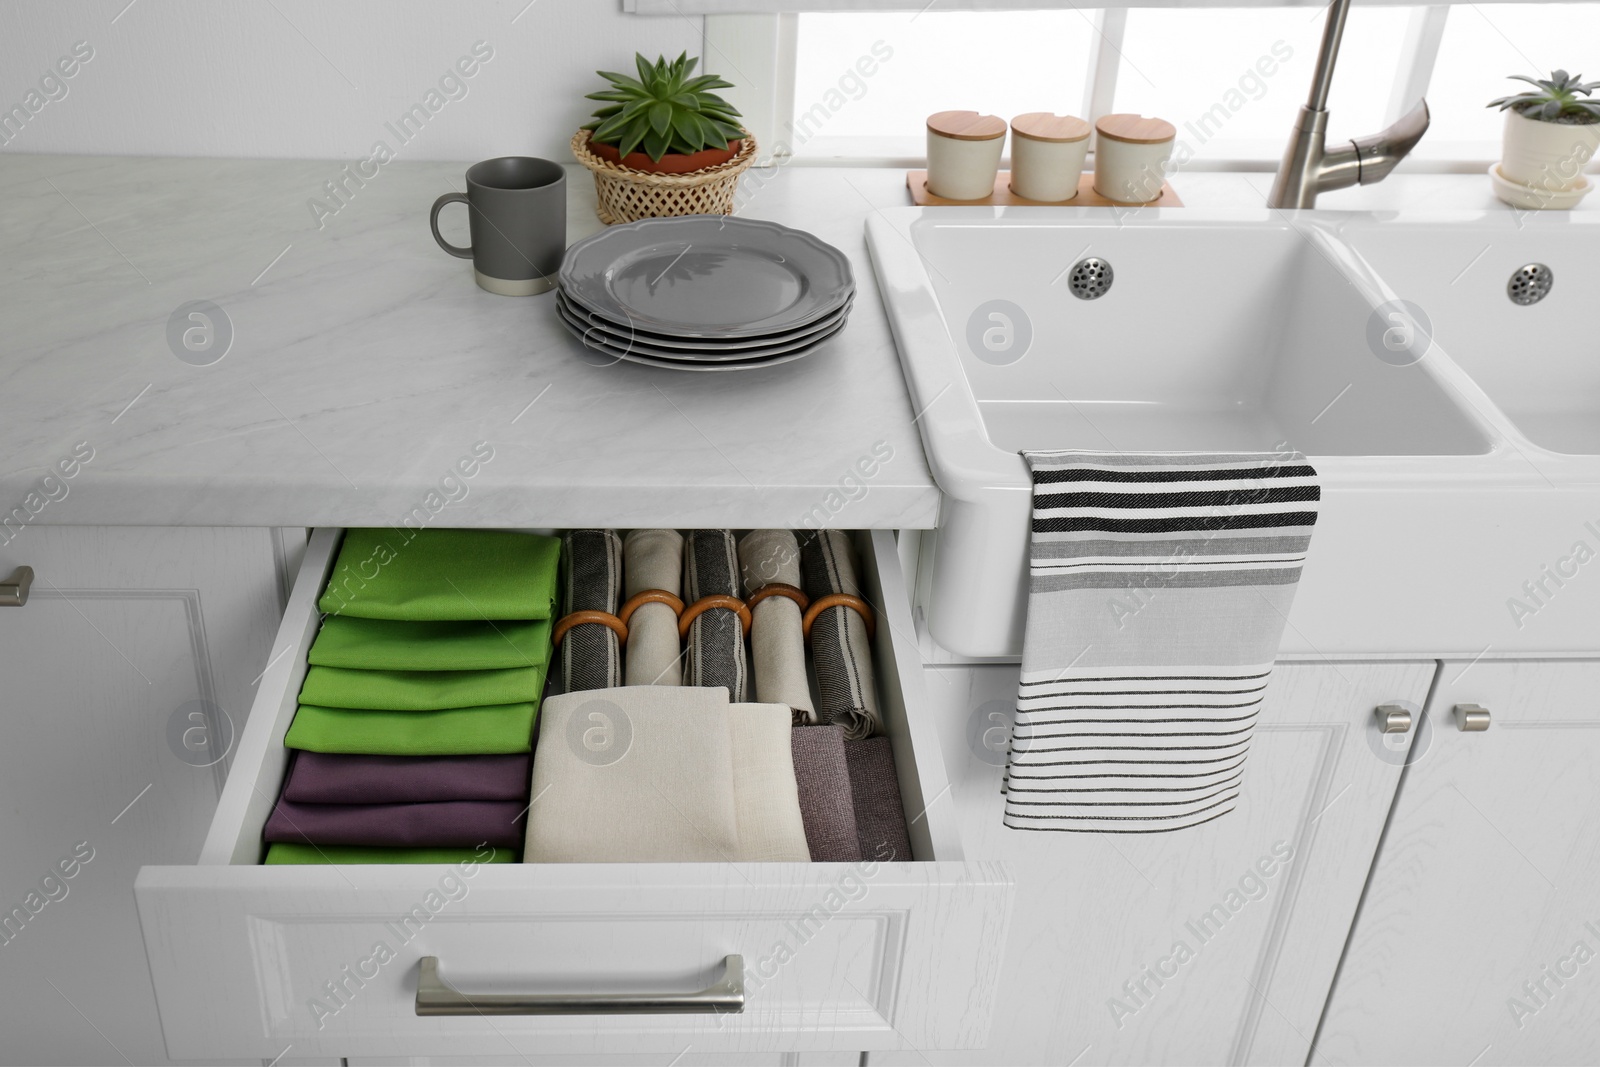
x,y
1393,718
1471,718
14,590
725,996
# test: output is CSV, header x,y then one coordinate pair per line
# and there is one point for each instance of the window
x,y
1483,44
1002,63
1230,79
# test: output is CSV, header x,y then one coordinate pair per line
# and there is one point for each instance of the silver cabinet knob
x,y
1471,718
14,590
1393,718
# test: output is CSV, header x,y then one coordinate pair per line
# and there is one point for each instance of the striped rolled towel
x,y
1159,584
590,581
715,655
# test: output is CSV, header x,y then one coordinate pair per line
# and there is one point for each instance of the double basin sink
x,y
1441,372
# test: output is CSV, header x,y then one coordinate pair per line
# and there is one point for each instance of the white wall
x,y
313,78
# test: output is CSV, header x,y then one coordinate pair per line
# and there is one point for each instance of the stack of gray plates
x,y
704,292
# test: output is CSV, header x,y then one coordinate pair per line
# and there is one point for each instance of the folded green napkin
x,y
422,575
456,732
390,645
290,852
340,687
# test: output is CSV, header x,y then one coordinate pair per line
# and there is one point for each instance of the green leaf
x,y
655,144
621,81
1559,77
632,139
707,81
619,95
646,71
607,112
638,107
686,128
611,130
1551,110
660,116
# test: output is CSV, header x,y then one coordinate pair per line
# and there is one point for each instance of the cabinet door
x,y
118,679
1094,972
1479,939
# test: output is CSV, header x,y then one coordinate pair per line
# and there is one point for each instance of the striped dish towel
x,y
1159,584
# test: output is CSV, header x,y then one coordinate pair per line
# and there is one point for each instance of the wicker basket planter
x,y
626,195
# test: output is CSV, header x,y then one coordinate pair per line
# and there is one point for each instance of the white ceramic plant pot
x,y
1548,156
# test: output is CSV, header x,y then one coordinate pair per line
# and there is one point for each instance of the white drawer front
x,y
251,960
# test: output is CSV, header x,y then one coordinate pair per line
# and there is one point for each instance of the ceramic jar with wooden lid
x,y
964,154
1130,157
1047,154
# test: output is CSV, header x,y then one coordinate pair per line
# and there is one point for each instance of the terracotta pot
x,y
1547,155
671,163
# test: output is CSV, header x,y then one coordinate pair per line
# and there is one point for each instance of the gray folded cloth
x,y
716,637
777,642
823,780
591,577
875,792
653,559
840,651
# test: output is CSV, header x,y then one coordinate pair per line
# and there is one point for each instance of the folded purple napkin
x,y
875,791
447,824
326,778
823,781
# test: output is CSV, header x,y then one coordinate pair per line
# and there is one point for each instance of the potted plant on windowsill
x,y
1550,134
663,143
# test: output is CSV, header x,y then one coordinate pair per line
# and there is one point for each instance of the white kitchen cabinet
x,y
1479,938
908,958
1096,916
117,678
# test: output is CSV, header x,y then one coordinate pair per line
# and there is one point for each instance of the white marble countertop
x,y
365,364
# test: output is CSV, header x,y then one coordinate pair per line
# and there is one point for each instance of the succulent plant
x,y
663,110
1558,98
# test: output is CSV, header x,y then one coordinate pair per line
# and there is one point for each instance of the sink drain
x,y
1090,278
1530,284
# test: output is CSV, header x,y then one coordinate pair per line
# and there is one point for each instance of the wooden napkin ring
x,y
649,596
836,600
580,618
779,589
706,603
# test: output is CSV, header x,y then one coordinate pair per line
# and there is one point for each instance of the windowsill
x,y
1243,155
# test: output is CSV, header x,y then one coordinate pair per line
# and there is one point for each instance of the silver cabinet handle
x,y
725,996
14,590
1393,718
1471,718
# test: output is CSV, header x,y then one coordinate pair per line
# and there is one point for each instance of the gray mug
x,y
517,212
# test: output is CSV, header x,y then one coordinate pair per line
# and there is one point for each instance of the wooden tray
x,y
917,182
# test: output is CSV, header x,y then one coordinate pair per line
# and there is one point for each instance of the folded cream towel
x,y
641,774
764,791
777,643
653,559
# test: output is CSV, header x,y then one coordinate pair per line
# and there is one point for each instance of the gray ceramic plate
x,y
707,276
622,335
595,342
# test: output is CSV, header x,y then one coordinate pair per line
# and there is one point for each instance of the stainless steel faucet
x,y
1309,167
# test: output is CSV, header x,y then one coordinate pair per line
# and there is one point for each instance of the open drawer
x,y
249,960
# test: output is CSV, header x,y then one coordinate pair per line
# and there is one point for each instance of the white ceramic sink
x,y
1538,363
1257,331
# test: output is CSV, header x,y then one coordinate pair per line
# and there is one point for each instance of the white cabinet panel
x,y
1193,948
118,679
1479,940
